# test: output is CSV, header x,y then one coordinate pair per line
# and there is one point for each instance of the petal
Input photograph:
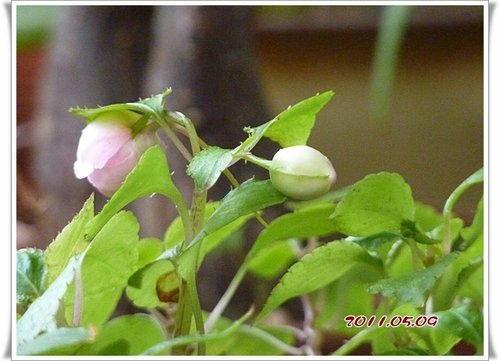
x,y
99,142
110,177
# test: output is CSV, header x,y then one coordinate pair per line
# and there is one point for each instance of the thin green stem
x,y
447,236
183,211
162,319
189,129
230,177
261,220
476,177
355,341
271,340
189,303
196,308
416,254
176,141
198,211
261,162
181,129
184,314
198,219
226,297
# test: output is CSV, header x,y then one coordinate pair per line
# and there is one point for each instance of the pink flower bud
x,y
107,150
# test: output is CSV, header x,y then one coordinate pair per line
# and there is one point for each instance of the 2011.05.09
x,y
391,321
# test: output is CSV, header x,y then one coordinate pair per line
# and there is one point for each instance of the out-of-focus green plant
x,y
34,24
393,24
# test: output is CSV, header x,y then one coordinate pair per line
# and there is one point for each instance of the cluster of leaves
x,y
386,255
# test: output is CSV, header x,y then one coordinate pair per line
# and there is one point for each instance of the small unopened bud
x,y
301,172
108,151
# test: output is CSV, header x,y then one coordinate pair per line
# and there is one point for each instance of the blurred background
x,y
409,84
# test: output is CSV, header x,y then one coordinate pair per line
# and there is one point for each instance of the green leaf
x,y
211,241
427,217
411,287
410,229
290,127
254,136
465,321
251,196
149,249
398,259
317,269
475,230
109,261
293,126
126,335
470,281
41,316
206,167
475,178
143,286
31,276
61,341
455,226
153,107
151,175
374,241
330,197
345,296
303,223
463,278
70,241
273,261
407,351
377,203
174,234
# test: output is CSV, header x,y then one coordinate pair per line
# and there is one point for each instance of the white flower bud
x,y
301,172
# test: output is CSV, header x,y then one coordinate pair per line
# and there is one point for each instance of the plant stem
x,y
271,340
189,303
184,314
234,182
162,319
176,141
476,177
226,297
261,162
198,219
196,308
416,254
187,128
447,234
309,332
355,341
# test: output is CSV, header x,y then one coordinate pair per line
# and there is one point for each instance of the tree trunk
x,y
97,57
106,54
